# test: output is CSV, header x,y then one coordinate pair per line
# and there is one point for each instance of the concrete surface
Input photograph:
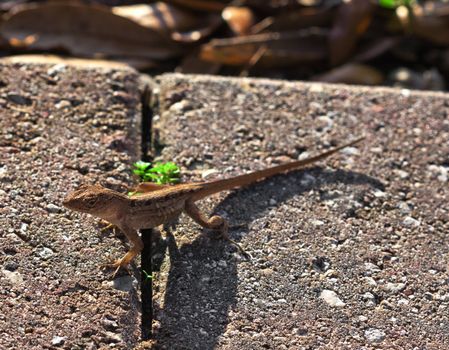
x,y
350,254
60,126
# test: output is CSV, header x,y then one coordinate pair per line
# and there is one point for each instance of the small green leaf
x,y
147,276
392,4
160,173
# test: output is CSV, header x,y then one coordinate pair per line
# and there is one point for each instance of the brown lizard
x,y
159,204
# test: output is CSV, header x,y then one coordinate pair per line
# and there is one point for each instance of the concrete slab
x,y
60,126
352,253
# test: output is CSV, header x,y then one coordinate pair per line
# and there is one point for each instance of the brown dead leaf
x,y
282,49
239,19
199,5
85,31
180,24
301,18
376,47
431,22
351,21
194,65
352,73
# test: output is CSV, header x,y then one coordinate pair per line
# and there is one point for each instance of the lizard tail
x,y
212,187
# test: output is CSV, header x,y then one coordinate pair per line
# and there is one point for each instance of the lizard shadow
x,y
202,285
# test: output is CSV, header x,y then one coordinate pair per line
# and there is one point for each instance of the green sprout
x,y
147,276
392,4
160,173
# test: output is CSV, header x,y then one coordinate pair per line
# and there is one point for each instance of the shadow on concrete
x,y
202,283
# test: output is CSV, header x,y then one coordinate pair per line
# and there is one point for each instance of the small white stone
x,y
404,208
411,222
331,298
13,276
57,340
179,107
317,223
370,281
307,180
405,92
45,253
206,173
371,267
273,201
57,68
394,287
379,194
222,263
402,174
374,335
53,208
63,104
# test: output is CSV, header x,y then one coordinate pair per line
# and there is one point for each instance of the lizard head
x,y
93,199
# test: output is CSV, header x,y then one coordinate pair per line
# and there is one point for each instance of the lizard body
x,y
159,204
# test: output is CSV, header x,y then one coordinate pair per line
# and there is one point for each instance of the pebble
x,y
410,222
19,99
307,180
53,208
370,267
57,68
370,299
402,174
110,325
440,171
206,173
113,337
331,298
125,283
181,106
317,223
63,104
374,335
370,281
57,340
394,287
45,253
13,276
404,208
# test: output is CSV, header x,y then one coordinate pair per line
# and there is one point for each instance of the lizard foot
x,y
117,264
124,262
107,226
225,235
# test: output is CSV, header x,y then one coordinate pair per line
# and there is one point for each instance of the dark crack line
x,y
146,268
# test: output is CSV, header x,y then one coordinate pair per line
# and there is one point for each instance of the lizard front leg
x,y
215,223
136,248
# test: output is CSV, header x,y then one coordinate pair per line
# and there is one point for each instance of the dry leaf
x,y
351,21
86,31
177,23
352,73
239,19
301,18
199,5
282,49
431,23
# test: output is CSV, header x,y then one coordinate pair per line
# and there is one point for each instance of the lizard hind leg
x,y
215,223
136,248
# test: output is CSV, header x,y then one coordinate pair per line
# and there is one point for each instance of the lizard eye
x,y
91,202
